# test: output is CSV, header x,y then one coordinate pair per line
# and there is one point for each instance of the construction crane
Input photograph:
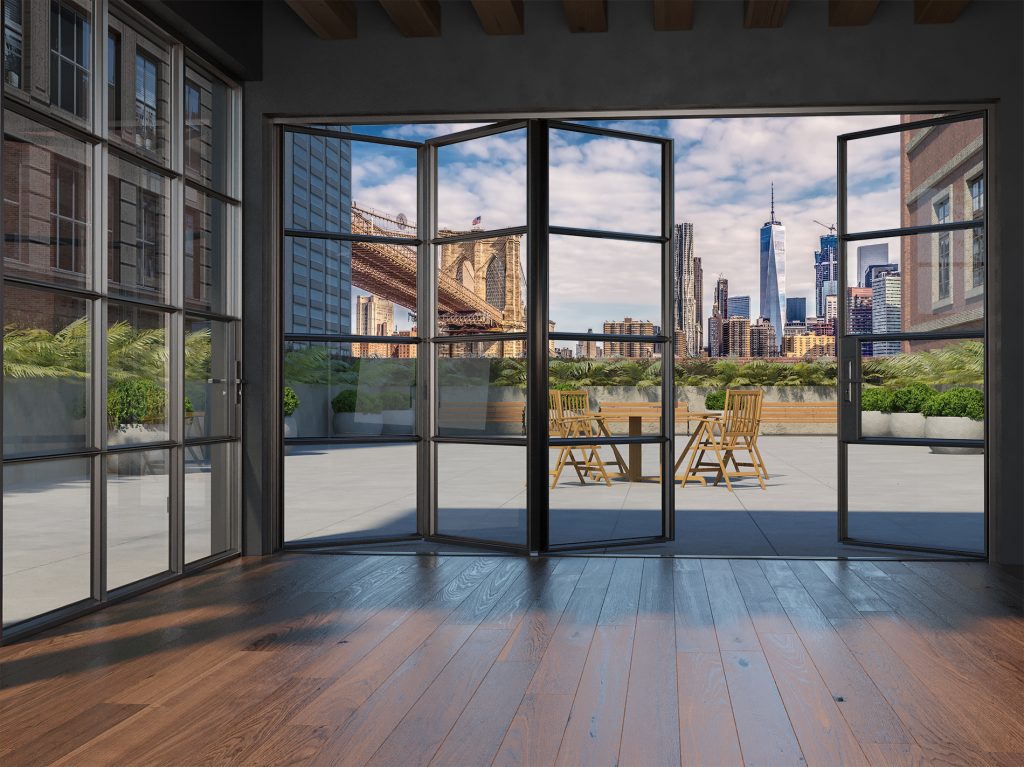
x,y
831,227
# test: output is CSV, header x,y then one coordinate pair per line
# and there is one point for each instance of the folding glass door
x,y
913,247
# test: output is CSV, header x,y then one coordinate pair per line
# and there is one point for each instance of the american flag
x,y
476,220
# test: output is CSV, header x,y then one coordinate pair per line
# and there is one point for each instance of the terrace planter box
x,y
132,434
399,421
369,424
946,427
874,423
906,425
291,427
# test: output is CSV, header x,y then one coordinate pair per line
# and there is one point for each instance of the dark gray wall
x,y
718,64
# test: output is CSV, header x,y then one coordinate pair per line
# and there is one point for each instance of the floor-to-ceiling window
x,y
120,274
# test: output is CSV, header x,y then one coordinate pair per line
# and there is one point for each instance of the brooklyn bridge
x,y
479,282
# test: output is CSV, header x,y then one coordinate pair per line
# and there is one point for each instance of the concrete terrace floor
x,y
904,495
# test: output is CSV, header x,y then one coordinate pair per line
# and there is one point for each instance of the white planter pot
x,y
945,427
399,421
369,424
907,425
291,427
874,423
132,434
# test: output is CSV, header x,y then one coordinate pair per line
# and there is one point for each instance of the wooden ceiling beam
x,y
587,15
938,11
673,15
329,19
851,13
764,14
415,18
500,17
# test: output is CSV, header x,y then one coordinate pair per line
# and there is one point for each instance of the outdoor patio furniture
x,y
735,431
569,417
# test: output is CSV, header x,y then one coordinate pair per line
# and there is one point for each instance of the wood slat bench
x,y
505,417
798,412
619,412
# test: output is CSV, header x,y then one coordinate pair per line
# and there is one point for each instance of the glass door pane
x,y
911,351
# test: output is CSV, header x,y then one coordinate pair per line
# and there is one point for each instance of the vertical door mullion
x,y
843,519
537,187
426,485
668,358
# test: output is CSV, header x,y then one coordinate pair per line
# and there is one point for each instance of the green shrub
x,y
290,401
876,398
135,401
911,398
960,402
344,401
715,400
395,399
188,406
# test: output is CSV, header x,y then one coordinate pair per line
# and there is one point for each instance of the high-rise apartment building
x,y
809,345
858,315
715,331
773,270
831,308
374,316
686,314
630,349
763,342
736,337
698,305
738,306
722,296
868,256
679,344
873,271
796,310
887,312
587,349
826,270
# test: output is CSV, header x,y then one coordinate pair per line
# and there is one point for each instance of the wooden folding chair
x,y
576,404
568,423
723,438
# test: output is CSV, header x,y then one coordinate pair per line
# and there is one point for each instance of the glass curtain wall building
x,y
121,221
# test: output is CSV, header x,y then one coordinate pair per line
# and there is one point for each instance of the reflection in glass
x,y
46,536
206,247
46,371
379,497
481,286
70,58
47,179
346,389
481,492
209,378
481,183
208,500
914,178
597,509
138,516
317,183
611,184
594,281
207,118
481,388
14,43
137,378
137,233
318,285
917,496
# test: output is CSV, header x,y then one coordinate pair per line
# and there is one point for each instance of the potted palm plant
x,y
957,413
875,411
906,420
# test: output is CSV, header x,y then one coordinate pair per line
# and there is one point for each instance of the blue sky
x,y
724,168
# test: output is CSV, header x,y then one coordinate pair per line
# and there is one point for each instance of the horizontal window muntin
x,y
218,439
210,191
604,234
311,234
881,234
312,130
482,234
445,439
126,153
207,315
472,338
85,452
659,339
951,335
492,129
52,118
165,444
650,439
355,439
903,127
143,303
349,338
575,127
917,442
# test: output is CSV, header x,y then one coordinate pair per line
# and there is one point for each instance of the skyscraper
x,y
886,311
826,270
722,296
773,270
715,332
858,315
629,327
686,315
587,349
796,309
872,272
736,337
763,342
870,255
698,305
738,306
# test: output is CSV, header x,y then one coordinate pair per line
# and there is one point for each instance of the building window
x,y
148,240
13,42
145,103
978,258
114,82
977,189
193,128
69,218
69,60
943,266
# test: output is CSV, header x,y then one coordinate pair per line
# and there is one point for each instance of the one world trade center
x,y
773,273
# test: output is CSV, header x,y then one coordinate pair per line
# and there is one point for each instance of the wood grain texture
x,y
429,661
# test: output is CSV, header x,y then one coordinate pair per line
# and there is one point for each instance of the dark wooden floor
x,y
406,661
